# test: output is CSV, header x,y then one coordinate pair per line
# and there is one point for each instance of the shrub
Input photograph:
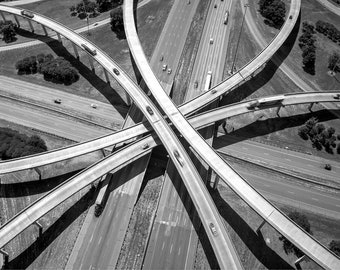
x,y
335,247
334,62
8,31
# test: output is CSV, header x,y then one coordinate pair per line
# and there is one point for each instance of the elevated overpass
x,y
197,190
272,215
127,155
198,121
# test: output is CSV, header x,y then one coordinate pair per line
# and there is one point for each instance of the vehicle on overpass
x,y
27,13
89,50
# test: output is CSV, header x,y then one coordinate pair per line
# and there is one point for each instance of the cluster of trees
x,y
57,70
303,222
329,30
274,12
117,24
14,144
334,62
307,44
319,135
87,8
8,31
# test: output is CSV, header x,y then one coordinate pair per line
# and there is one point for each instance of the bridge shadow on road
x,y
255,243
98,83
30,254
28,188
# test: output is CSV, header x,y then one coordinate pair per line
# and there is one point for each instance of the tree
x,y
338,148
334,246
117,24
303,222
273,11
8,31
334,62
303,132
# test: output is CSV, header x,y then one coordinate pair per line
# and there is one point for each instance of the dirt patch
x,y
141,222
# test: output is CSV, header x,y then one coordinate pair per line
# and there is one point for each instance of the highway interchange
x,y
170,153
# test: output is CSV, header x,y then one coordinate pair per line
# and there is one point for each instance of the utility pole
x,y
87,19
239,37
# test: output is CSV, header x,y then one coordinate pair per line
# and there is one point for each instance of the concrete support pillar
x,y
278,111
17,20
298,261
59,38
91,63
261,225
128,99
75,50
103,152
3,16
40,228
106,76
45,30
5,260
31,25
217,179
310,106
38,172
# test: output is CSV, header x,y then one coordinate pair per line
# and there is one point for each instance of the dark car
x,y
27,13
116,71
149,110
328,167
57,100
178,157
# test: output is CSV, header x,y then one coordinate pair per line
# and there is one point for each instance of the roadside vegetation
x,y
57,70
274,12
307,45
88,9
117,24
328,30
320,136
14,144
8,31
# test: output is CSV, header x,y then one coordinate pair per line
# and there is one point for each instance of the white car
x,y
94,106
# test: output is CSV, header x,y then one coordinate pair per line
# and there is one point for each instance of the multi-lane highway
x,y
180,125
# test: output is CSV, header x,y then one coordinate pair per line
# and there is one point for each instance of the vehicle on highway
x,y
94,106
337,96
27,13
213,229
88,49
95,24
211,41
226,16
196,84
57,100
208,81
169,71
178,157
164,67
162,57
253,104
98,209
150,111
290,17
215,6
116,71
145,146
328,167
